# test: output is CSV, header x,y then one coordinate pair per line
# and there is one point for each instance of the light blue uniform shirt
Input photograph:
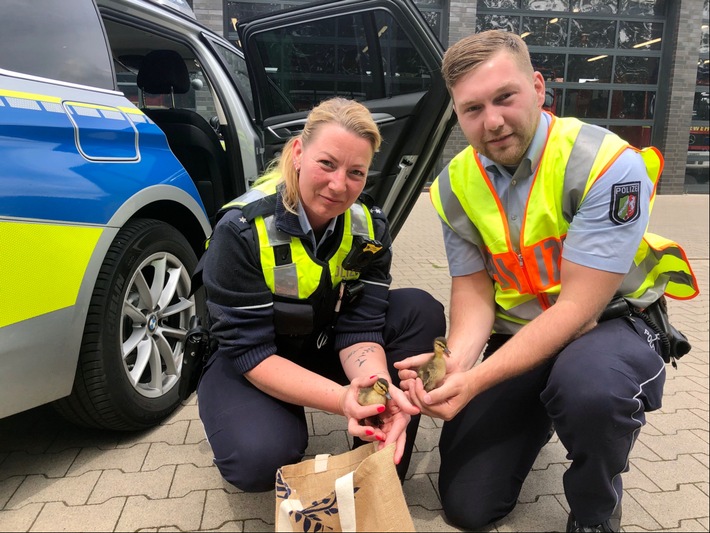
x,y
593,239
308,229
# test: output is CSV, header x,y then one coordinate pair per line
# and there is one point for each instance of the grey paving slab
x,y
21,519
188,478
125,459
112,483
184,514
56,477
668,475
72,491
161,454
222,506
52,465
57,516
8,489
668,508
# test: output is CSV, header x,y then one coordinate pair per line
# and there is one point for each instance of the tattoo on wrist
x,y
361,354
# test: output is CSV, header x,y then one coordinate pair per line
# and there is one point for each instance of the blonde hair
x,y
349,114
465,55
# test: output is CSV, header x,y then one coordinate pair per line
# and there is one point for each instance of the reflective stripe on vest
x,y
302,276
669,273
527,273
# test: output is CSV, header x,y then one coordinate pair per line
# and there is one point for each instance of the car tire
x,y
132,348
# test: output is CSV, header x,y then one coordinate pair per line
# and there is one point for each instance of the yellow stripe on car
x,y
30,96
41,267
20,95
131,110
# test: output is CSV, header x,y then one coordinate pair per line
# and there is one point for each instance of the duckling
x,y
378,393
434,370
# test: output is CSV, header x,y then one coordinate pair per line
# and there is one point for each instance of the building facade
x,y
637,67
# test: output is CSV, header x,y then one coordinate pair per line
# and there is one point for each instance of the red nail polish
x,y
373,377
381,439
369,432
381,409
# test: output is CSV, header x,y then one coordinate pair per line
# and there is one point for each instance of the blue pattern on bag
x,y
309,515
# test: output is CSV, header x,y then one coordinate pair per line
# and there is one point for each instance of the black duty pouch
x,y
293,318
198,350
361,254
353,292
674,344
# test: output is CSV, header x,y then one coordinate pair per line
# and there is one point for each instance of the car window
x,y
199,98
60,40
236,66
327,57
129,44
404,69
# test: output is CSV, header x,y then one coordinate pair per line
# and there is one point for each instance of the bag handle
x,y
345,494
321,462
283,523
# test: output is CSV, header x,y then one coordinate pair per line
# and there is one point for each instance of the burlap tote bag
x,y
355,491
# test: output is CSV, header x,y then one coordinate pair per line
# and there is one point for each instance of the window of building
x,y
600,58
697,170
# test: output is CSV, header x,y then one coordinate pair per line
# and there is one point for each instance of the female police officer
x,y
297,282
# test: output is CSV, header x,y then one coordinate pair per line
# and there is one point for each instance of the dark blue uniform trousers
x,y
595,391
253,434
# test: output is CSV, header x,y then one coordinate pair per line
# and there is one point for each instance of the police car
x,y
124,126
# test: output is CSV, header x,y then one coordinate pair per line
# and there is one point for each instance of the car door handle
x,y
286,130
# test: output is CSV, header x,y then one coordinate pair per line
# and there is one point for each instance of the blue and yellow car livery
x,y
78,164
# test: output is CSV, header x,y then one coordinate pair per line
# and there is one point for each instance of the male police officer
x,y
544,222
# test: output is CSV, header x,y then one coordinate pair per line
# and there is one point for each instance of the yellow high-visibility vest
x,y
302,274
528,281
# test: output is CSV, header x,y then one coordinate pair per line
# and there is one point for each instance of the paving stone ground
x,y
56,477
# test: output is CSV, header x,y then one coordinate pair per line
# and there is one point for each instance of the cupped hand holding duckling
x,y
380,418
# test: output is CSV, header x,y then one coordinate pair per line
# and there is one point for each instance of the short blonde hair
x,y
465,55
349,114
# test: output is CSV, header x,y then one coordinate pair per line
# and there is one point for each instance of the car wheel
x,y
131,353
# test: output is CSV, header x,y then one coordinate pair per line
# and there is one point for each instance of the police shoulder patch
x,y
624,206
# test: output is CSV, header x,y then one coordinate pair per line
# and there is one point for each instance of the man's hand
x,y
444,402
407,368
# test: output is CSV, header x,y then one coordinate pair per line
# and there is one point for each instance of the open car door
x,y
379,52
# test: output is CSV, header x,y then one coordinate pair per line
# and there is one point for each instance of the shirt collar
x,y
298,224
308,229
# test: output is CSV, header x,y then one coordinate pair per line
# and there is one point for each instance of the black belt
x,y
674,344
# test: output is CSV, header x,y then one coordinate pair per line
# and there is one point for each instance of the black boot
x,y
613,523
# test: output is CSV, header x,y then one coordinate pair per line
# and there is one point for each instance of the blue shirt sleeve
x,y
463,256
598,236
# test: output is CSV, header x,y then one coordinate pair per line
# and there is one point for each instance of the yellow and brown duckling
x,y
434,370
376,394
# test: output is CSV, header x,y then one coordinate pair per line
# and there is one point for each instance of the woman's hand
x,y
393,416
